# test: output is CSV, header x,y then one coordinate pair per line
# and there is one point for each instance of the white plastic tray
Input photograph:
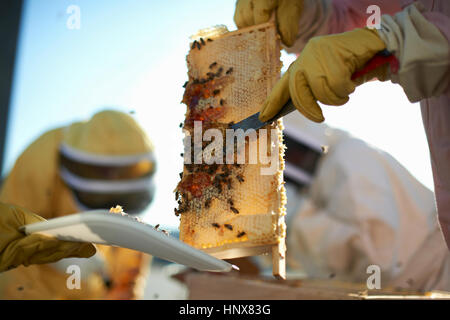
x,y
102,227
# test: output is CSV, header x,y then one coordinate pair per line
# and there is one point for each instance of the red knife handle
x,y
377,61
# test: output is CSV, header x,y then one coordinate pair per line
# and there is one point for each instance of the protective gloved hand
x,y
323,73
288,12
16,248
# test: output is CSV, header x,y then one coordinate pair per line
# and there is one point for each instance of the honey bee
x,y
211,170
241,234
228,226
234,210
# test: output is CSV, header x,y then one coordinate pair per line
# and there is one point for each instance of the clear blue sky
x,y
130,55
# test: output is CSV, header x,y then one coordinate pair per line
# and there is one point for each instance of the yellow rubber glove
x,y
288,12
16,248
323,73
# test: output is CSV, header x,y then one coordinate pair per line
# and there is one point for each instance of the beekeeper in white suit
x,y
356,206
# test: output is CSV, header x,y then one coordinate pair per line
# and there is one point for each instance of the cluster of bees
x,y
200,43
210,75
214,180
218,186
229,227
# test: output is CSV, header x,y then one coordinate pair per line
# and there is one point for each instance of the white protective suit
x,y
364,208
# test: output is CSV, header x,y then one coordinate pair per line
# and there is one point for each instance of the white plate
x,y
102,227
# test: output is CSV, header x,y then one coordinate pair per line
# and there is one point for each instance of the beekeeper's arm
x,y
323,71
362,210
16,248
300,20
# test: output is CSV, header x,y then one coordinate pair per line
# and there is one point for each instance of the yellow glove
x,y
16,248
323,73
288,12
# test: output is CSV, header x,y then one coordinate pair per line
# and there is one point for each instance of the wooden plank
x,y
279,260
215,287
207,286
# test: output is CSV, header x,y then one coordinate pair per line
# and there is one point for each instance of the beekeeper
x,y
416,33
354,206
100,163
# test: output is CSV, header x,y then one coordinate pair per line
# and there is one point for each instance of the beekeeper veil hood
x,y
305,142
108,161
